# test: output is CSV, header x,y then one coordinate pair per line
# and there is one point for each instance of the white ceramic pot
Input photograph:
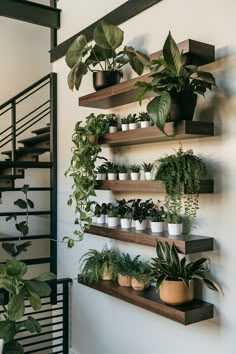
x,y
140,226
113,129
123,176
148,176
124,127
135,176
157,226
94,219
113,221
1,346
112,176
101,176
133,126
132,223
175,229
101,219
125,223
145,124
106,218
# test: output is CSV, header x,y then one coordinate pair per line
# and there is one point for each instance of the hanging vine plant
x,y
85,152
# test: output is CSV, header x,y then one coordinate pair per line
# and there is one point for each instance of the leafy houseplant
x,y
176,83
157,216
100,213
180,173
140,213
113,122
141,275
147,168
102,57
125,268
133,121
123,172
112,170
113,215
99,265
15,248
125,213
135,171
20,289
173,276
125,123
101,172
145,119
85,152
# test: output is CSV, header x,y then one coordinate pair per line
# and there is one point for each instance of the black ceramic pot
x,y
182,106
103,79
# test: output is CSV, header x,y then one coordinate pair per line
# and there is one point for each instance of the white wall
x,y
102,324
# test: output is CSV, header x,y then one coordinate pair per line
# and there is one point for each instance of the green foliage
x,y
112,210
85,153
111,167
123,168
181,173
82,57
157,213
112,120
14,249
141,209
19,290
124,208
144,117
126,265
142,271
101,169
147,167
172,75
135,168
132,118
94,263
100,209
125,120
168,265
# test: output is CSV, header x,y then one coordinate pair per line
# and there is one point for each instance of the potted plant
x,y
145,119
133,121
135,172
125,123
100,213
180,173
141,275
157,217
177,84
101,172
125,267
98,265
85,153
123,172
174,275
113,215
112,170
102,59
125,213
113,122
147,168
19,289
140,213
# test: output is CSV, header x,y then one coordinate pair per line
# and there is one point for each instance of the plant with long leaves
x,y
82,57
126,265
172,75
85,153
168,266
19,289
94,264
16,248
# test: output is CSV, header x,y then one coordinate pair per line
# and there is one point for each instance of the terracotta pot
x,y
106,275
138,285
182,106
175,292
103,79
124,280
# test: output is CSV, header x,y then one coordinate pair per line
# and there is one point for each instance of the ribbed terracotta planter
x,y
138,285
107,275
124,280
176,292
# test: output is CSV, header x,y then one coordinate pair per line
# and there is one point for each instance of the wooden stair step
x,y
35,139
11,177
27,151
41,130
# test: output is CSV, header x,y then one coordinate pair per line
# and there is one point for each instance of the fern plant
x,y
126,265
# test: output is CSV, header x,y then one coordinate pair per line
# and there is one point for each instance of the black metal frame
x,y
121,14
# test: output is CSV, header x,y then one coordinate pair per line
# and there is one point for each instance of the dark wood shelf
x,y
206,186
198,53
193,312
181,130
186,244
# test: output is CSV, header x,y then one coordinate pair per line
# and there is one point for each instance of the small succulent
x,y
147,167
135,168
144,117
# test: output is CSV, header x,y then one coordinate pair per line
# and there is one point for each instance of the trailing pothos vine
x,y
85,152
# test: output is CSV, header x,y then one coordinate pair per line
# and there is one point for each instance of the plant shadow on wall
x,y
176,83
102,59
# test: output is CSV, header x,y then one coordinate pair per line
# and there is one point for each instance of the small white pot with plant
x,y
100,213
125,123
113,216
133,121
113,122
112,170
157,217
147,168
101,172
123,173
135,172
125,212
145,120
140,213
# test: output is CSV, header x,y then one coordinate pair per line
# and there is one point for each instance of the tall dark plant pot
x,y
182,106
103,79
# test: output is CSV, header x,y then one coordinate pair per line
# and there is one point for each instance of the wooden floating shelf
x,y
186,244
186,314
184,129
206,186
198,53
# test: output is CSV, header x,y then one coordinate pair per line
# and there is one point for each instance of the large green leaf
x,y
172,54
159,109
23,227
76,74
7,330
15,268
38,287
98,54
16,307
205,76
7,285
108,36
32,325
21,203
45,276
13,348
76,51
